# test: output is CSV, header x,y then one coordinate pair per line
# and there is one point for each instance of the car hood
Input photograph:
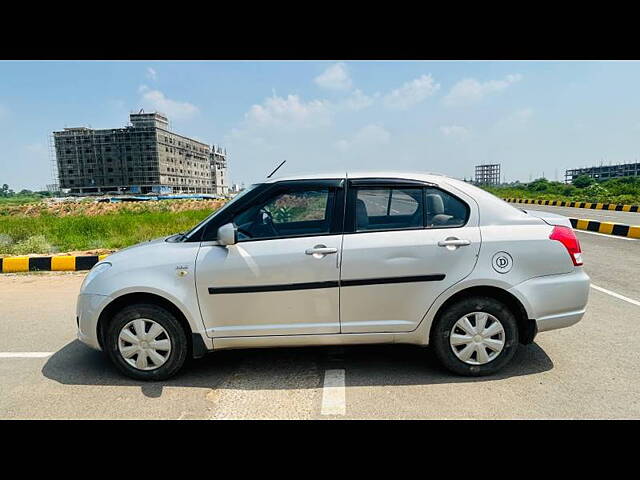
x,y
550,218
142,245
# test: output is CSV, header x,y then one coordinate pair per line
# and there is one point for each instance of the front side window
x,y
388,208
288,213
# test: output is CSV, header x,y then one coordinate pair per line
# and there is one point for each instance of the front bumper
x,y
555,301
88,311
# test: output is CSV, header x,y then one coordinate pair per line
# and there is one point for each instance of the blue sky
x,y
445,116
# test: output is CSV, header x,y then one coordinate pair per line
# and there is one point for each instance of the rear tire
x,y
131,348
481,345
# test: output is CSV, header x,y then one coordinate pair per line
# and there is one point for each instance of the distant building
x,y
604,172
488,174
144,157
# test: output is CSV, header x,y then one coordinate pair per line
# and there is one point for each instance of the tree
x,y
583,181
538,185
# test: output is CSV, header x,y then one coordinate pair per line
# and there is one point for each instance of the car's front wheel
x,y
146,342
475,336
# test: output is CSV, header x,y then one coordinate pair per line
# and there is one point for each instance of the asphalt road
x,y
587,371
628,218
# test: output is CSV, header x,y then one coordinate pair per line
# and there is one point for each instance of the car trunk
x,y
550,218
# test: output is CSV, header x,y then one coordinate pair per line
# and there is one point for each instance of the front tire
x,y
475,336
146,342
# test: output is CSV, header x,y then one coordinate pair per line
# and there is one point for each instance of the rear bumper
x,y
555,301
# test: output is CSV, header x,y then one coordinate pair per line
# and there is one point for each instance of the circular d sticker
x,y
502,262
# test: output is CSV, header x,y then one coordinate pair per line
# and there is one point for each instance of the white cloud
x,y
288,113
152,74
335,77
175,110
411,93
470,91
454,131
358,100
367,137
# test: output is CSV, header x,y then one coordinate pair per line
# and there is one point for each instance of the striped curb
x,y
59,263
593,206
609,228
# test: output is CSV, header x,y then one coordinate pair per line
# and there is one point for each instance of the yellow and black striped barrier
x,y
58,263
593,206
609,228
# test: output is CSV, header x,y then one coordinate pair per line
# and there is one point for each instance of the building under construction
x,y
143,157
604,172
488,174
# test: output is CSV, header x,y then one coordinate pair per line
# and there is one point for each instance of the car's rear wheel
x,y
146,342
475,336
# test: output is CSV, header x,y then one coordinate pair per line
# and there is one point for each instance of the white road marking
x,y
333,393
25,354
617,295
606,235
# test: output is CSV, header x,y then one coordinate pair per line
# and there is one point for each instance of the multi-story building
x,y
143,157
604,172
488,174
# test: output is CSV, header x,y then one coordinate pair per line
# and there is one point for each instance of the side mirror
x,y
228,234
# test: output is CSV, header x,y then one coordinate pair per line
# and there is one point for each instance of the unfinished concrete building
x,y
488,174
144,157
604,172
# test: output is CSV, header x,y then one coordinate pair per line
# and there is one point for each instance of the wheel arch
x,y
107,313
527,328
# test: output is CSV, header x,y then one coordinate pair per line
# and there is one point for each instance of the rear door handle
x,y
320,251
452,243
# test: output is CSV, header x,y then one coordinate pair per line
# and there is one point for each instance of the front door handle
x,y
453,242
319,251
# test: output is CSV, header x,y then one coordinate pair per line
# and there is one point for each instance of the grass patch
x,y
19,200
48,234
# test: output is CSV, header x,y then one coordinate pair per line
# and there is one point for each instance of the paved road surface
x,y
586,371
628,218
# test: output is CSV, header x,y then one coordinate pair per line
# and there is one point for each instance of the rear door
x,y
404,244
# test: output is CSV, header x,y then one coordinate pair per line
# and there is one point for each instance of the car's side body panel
x,y
269,288
413,255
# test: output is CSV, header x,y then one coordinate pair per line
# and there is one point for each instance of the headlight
x,y
97,269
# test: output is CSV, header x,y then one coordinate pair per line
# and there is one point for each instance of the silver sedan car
x,y
350,258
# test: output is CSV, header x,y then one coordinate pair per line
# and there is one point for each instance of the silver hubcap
x,y
144,344
477,338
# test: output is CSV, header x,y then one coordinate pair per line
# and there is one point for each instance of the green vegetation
x,y
21,235
9,197
624,190
30,223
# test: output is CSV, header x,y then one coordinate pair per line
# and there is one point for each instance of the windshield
x,y
224,207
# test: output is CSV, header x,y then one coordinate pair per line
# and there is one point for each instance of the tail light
x,y
566,236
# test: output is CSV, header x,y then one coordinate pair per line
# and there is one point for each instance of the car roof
x,y
424,176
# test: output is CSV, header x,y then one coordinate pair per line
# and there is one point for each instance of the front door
x,y
403,246
281,277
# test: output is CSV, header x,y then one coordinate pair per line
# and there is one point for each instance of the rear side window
x,y
443,210
384,208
